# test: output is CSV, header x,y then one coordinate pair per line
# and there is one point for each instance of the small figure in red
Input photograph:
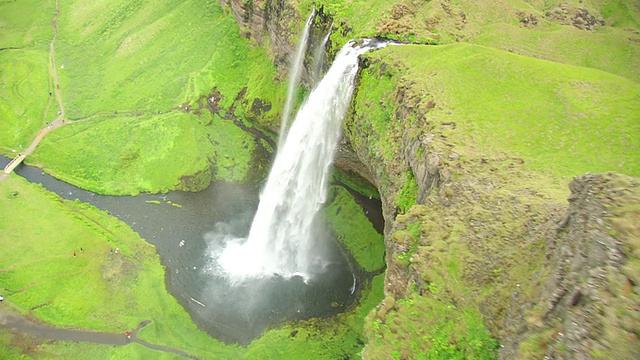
x,y
128,333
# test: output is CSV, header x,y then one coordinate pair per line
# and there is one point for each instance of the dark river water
x,y
187,228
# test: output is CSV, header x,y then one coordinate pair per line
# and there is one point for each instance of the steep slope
x,y
177,75
472,149
587,306
472,145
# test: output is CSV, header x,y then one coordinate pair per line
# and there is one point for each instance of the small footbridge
x,y
13,164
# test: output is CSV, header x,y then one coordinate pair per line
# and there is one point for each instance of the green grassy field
x,y
613,48
561,119
154,56
134,58
24,96
24,79
71,350
92,290
18,29
153,155
607,49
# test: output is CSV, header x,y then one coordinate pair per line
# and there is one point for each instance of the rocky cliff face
x,y
588,306
276,25
481,234
267,22
471,236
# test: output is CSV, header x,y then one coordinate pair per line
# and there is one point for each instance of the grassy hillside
x,y
19,30
154,56
563,119
93,290
507,132
156,153
540,29
25,104
160,60
24,96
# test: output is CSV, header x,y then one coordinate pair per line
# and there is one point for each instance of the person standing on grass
x,y
74,254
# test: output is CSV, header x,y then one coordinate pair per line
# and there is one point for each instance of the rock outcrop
x,y
589,305
267,21
272,23
581,18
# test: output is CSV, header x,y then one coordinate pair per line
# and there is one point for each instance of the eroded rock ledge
x,y
589,306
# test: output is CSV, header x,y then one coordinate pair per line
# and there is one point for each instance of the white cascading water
x,y
318,57
281,239
294,77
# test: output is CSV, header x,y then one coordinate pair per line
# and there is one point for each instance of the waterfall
x,y
281,240
294,77
318,57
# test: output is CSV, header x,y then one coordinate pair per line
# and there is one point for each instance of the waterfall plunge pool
x,y
185,227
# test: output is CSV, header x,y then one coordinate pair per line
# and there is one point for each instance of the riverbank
x,y
100,291
225,209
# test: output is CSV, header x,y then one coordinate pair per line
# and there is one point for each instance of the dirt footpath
x,y
21,324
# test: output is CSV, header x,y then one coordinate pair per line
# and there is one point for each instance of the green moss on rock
x,y
354,230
